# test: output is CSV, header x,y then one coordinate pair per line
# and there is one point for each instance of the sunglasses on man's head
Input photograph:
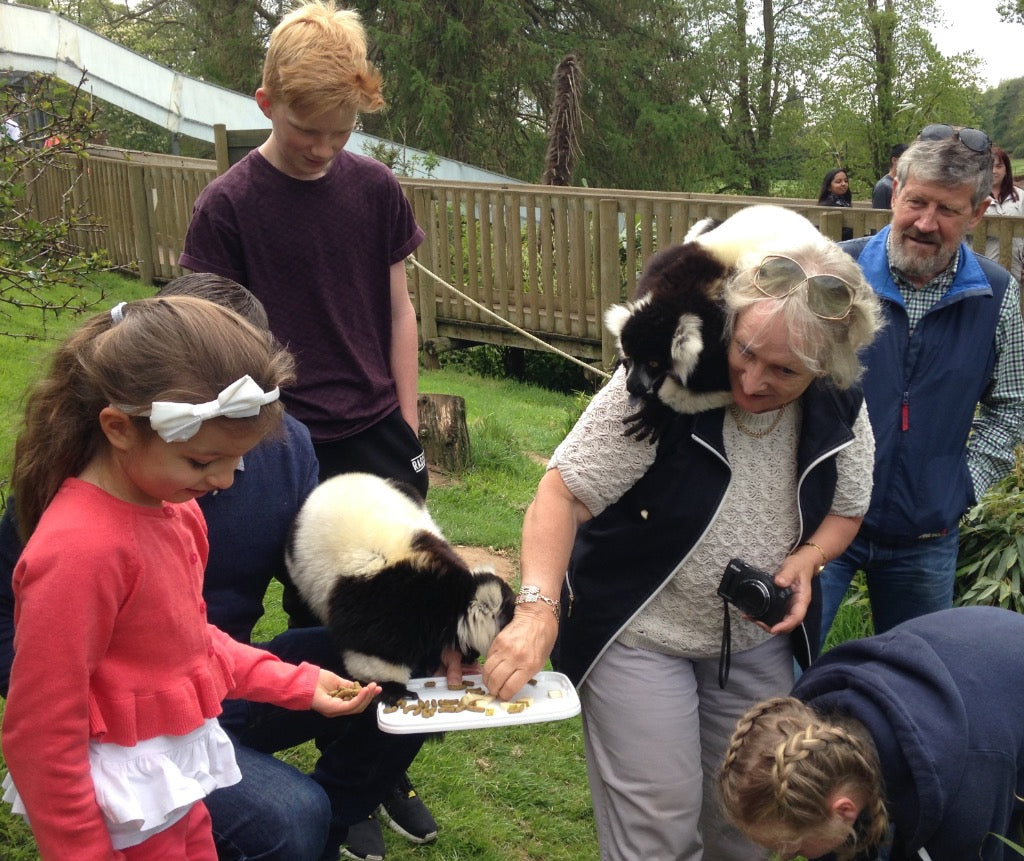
x,y
828,296
974,139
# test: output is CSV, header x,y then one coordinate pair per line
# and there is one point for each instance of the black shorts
x,y
389,449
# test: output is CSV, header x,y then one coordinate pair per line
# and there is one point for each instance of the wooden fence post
x,y
220,147
611,281
426,287
141,222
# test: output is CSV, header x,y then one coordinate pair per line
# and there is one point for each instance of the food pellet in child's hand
x,y
347,692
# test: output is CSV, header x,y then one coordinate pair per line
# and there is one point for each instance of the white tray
x,y
543,708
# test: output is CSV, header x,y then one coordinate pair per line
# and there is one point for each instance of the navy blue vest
x,y
629,551
922,392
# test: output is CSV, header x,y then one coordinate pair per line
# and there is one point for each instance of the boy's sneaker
x,y
365,841
403,811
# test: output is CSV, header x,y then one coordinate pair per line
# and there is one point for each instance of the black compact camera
x,y
754,593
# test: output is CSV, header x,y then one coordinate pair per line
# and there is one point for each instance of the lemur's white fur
x,y
615,317
480,625
384,518
751,228
361,546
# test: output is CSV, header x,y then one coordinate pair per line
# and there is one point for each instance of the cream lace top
x,y
758,520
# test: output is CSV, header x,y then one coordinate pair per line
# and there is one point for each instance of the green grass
x,y
28,336
513,429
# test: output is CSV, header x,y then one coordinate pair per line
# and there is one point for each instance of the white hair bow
x,y
177,422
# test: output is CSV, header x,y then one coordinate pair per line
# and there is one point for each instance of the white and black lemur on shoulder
x,y
670,334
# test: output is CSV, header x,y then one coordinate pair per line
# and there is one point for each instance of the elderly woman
x,y
779,479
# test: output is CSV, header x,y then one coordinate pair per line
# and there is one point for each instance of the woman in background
x,y
835,189
1006,199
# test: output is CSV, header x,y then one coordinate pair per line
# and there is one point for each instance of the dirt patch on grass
x,y
504,564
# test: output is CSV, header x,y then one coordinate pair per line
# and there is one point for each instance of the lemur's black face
x,y
645,346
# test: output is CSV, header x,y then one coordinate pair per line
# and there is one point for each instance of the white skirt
x,y
144,789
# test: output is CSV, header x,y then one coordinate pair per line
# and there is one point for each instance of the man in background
x,y
881,194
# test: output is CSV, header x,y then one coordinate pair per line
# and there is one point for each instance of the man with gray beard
x,y
944,384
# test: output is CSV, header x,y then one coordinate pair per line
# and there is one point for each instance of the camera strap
x,y
725,658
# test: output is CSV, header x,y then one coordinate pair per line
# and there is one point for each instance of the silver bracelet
x,y
531,595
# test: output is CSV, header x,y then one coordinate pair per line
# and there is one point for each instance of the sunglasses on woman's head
x,y
974,139
828,296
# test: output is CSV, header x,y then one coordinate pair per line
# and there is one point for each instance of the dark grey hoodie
x,y
943,699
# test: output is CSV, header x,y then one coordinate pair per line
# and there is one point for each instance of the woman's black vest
x,y
629,551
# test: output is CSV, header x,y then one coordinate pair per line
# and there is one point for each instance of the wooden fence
x,y
542,259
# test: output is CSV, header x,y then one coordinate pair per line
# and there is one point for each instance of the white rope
x,y
513,326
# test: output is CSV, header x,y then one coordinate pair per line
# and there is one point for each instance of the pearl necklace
x,y
757,434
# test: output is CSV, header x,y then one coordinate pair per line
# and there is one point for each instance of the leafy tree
x,y
453,75
217,40
645,124
43,262
1002,112
702,95
1012,11
472,80
883,82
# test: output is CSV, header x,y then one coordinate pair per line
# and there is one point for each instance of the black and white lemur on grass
x,y
371,564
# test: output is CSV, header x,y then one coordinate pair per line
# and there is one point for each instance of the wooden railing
x,y
547,260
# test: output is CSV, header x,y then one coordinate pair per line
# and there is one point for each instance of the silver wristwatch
x,y
531,595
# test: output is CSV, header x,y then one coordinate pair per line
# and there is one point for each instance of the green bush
x,y
992,547
533,367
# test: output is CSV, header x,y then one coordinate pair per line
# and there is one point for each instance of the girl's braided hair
x,y
785,761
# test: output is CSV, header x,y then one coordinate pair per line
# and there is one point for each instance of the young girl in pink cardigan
x,y
110,732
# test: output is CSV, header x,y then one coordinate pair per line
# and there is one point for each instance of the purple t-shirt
x,y
318,254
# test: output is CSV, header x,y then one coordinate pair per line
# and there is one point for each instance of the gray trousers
x,y
656,729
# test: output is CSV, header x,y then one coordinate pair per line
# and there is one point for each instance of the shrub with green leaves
x,y
992,547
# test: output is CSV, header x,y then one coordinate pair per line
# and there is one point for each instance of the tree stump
x,y
443,432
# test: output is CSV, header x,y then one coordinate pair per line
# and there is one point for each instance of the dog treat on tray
x,y
469,705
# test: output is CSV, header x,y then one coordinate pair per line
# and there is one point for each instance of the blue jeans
x,y
278,813
903,581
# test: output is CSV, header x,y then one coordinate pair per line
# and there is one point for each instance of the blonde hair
x,y
175,349
316,61
828,348
785,760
